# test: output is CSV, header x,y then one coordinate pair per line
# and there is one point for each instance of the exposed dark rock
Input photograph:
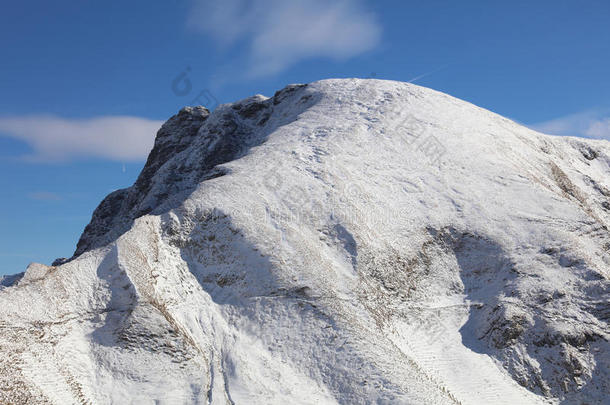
x,y
588,152
186,123
8,281
281,95
226,137
59,261
173,137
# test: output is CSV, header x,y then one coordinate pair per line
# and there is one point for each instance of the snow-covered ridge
x,y
345,241
167,175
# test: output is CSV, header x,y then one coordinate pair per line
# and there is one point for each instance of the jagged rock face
x,y
223,140
346,241
173,137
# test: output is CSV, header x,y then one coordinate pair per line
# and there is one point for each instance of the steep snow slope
x,y
346,241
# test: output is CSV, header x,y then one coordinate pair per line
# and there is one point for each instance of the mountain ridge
x,y
427,242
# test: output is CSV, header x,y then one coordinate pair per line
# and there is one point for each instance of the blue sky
x,y
85,84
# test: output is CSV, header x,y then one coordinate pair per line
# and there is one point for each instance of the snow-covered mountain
x,y
345,241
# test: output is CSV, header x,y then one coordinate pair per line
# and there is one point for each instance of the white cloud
x,y
599,129
279,33
54,139
590,124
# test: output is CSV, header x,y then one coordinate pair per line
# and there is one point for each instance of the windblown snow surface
x,y
346,241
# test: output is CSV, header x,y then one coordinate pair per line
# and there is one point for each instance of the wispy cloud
x,y
44,196
590,124
54,139
279,33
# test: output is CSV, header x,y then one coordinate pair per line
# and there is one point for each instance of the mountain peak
x,y
344,241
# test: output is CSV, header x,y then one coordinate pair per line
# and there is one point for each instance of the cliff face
x,y
223,140
118,210
346,241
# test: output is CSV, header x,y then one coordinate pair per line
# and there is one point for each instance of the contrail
x,y
427,74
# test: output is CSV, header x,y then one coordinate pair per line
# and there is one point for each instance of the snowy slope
x,y
347,241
